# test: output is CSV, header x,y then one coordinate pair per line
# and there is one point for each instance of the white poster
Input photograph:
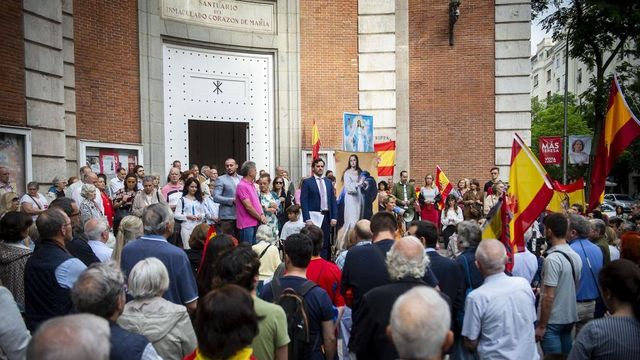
x,y
579,149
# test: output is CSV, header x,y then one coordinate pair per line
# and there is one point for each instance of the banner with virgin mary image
x,y
356,186
358,133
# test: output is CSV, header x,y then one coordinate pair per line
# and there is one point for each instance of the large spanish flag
x,y
529,191
443,184
620,128
315,141
566,195
387,154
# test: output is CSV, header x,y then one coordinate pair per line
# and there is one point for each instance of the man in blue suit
x,y
317,195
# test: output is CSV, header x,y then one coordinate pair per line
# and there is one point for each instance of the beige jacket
x,y
166,325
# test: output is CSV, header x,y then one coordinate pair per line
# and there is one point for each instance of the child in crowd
x,y
294,224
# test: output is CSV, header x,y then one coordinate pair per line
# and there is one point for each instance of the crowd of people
x,y
247,265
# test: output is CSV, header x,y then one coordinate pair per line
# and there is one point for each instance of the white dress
x,y
352,199
184,207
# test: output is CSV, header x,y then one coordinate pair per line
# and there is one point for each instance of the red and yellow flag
x,y
497,227
387,154
443,184
620,128
529,191
566,195
315,141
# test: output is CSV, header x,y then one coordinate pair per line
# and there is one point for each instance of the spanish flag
x,y
443,184
387,154
315,141
529,191
620,128
566,195
496,227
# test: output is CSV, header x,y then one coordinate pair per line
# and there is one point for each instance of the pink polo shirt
x,y
246,190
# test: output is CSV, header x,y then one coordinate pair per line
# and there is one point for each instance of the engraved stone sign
x,y
225,14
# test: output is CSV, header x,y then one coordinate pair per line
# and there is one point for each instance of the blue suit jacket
x,y
310,198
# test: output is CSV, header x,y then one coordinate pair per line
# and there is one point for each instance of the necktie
x,y
323,194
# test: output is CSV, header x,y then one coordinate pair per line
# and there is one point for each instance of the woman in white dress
x,y
190,209
33,203
352,196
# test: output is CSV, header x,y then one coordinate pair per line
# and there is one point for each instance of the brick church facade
x,y
151,81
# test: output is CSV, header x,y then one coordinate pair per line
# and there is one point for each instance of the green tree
x,y
548,120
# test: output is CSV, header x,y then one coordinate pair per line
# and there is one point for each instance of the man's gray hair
x,y
147,178
627,226
246,166
86,176
78,336
469,234
98,289
86,189
94,228
156,218
148,278
599,225
419,321
407,259
580,225
492,256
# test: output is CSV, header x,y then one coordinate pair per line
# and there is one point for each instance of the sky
x,y
537,34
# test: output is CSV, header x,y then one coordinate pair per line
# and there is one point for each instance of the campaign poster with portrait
x,y
358,133
579,149
356,186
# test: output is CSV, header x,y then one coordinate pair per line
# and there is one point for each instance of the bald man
x,y
406,263
499,315
418,328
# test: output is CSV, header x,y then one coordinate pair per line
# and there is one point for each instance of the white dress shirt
x,y
101,250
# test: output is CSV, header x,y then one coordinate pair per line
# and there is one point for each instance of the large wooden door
x,y
212,142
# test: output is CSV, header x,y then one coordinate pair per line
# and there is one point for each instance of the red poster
x,y
550,149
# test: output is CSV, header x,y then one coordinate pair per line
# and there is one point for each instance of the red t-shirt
x,y
327,275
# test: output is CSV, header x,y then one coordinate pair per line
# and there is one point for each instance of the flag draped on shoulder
x,y
315,141
387,155
529,193
443,184
620,128
566,195
496,227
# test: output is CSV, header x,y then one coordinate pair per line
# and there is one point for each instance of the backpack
x,y
292,303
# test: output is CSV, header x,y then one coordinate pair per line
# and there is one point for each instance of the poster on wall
x,y
356,186
550,150
108,162
357,133
579,149
12,156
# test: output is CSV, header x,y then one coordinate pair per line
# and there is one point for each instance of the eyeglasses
x,y
67,224
75,214
279,182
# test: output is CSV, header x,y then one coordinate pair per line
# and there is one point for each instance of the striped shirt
x,y
613,337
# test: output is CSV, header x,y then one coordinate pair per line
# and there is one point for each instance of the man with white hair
x,y
78,336
158,226
97,231
418,327
5,184
406,264
499,315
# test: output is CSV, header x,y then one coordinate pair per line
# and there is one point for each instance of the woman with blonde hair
x,y
130,229
9,201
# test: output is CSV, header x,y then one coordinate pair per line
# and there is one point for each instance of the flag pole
x,y
565,140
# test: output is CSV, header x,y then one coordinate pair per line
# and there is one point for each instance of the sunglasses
x,y
279,182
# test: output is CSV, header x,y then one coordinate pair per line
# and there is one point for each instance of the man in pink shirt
x,y
248,210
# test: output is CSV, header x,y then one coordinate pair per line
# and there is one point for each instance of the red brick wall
x,y
452,106
328,67
107,70
12,103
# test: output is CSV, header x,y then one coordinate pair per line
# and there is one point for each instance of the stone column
x,y
512,72
44,86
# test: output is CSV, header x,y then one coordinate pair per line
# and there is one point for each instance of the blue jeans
x,y
557,339
248,235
